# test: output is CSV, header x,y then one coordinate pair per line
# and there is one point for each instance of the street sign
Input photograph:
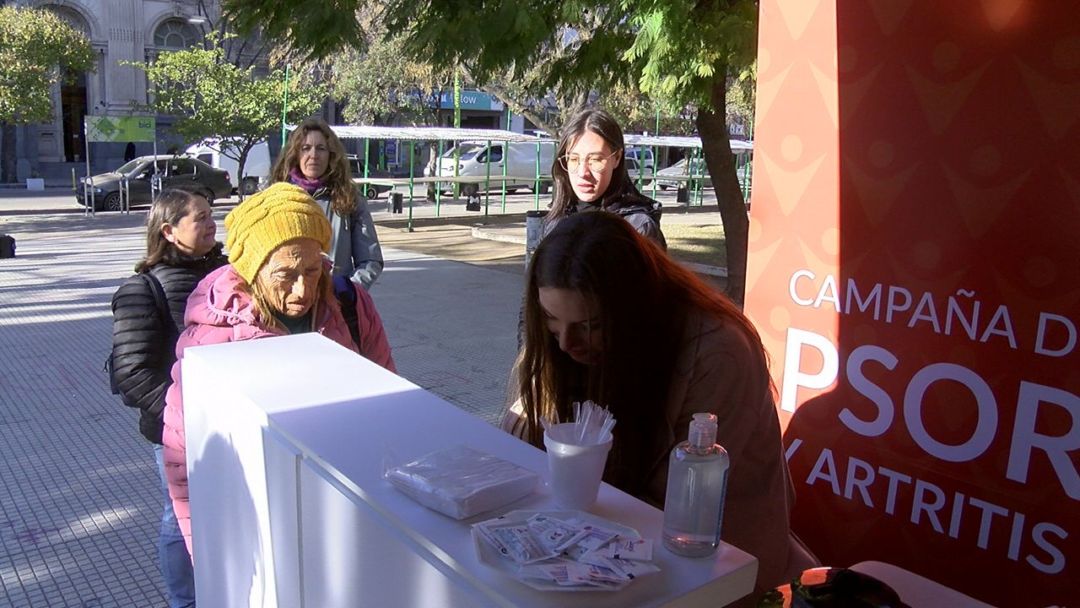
x,y
120,128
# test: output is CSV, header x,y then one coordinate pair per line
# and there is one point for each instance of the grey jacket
x,y
354,245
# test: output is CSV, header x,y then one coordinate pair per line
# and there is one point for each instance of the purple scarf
x,y
310,185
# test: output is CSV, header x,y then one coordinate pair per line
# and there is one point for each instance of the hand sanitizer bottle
x,y
697,481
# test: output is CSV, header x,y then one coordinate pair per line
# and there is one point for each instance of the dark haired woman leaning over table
x,y
609,317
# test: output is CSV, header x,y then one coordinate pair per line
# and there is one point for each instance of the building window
x,y
175,34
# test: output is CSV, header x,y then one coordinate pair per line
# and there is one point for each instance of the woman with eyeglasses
x,y
612,319
315,160
590,175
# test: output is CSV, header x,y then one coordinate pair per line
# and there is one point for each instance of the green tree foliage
x,y
211,97
677,52
637,112
382,83
741,100
36,48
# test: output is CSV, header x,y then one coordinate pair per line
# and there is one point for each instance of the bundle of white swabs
x,y
592,424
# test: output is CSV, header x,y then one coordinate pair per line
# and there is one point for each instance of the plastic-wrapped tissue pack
x,y
461,482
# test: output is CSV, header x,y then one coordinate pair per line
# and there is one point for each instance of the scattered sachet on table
x,y
568,552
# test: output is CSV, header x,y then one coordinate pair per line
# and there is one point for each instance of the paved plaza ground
x,y
79,494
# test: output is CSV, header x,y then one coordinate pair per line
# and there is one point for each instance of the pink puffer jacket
x,y
220,311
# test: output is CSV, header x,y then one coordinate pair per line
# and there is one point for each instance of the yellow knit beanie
x,y
265,220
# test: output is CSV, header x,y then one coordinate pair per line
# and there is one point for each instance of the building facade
x,y
120,31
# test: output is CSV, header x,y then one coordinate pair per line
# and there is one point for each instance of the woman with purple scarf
x,y
315,160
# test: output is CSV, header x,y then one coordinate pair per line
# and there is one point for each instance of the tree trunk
x,y
7,155
716,146
241,167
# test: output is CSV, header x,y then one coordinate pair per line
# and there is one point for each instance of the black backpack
x,y
7,246
166,317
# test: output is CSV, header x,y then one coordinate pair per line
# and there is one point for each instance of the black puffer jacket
x,y
143,347
640,211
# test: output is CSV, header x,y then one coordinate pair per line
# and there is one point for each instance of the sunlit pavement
x,y
79,496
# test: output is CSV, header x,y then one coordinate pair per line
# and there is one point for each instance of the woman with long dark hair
x,y
180,251
590,175
609,317
315,160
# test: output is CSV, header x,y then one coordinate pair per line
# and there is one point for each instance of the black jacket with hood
x,y
640,211
144,344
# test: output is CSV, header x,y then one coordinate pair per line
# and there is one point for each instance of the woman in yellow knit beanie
x,y
277,283
269,218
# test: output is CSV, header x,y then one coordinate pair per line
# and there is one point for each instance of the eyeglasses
x,y
595,162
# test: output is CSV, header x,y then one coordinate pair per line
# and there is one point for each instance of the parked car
x,y
356,165
668,178
174,171
480,159
634,170
256,165
678,175
643,156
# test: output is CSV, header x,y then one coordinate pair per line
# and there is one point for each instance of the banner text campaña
x,y
962,316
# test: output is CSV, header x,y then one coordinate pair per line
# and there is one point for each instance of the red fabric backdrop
x,y
915,273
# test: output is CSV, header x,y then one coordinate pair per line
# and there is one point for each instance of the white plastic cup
x,y
575,470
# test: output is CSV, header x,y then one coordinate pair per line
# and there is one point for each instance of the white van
x,y
256,167
643,156
521,164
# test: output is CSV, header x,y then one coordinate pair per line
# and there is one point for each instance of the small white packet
x,y
515,542
595,576
593,538
554,572
632,568
553,533
638,549
627,569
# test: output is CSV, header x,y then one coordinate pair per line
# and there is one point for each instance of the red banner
x,y
915,273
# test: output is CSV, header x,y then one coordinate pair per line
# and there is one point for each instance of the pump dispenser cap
x,y
703,430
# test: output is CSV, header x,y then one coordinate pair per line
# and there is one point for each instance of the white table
x,y
287,441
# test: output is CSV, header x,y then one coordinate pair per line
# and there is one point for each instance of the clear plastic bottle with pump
x,y
696,484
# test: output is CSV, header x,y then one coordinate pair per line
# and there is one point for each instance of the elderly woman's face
x,y
290,277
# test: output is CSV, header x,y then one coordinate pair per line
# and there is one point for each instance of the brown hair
x,y
338,177
643,299
603,124
169,207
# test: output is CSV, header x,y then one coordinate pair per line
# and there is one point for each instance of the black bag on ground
x,y
7,246
163,309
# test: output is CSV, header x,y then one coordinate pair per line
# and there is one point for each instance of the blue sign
x,y
471,100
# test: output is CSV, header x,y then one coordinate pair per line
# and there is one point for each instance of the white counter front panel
x,y
340,420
